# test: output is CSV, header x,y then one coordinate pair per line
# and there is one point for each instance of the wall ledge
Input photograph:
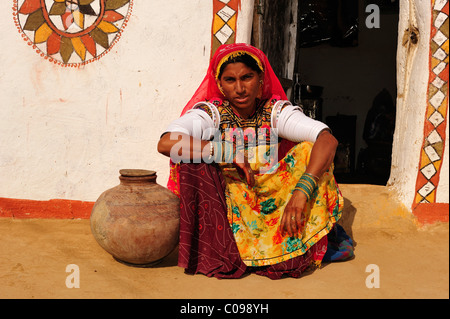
x,y
53,208
429,213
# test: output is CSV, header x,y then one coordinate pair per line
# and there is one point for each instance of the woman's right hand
x,y
241,163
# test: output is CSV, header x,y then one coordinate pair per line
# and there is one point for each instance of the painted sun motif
x,y
72,32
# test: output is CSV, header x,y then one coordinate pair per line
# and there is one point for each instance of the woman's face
x,y
241,86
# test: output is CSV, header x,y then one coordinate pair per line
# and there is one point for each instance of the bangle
x,y
307,185
211,152
217,152
313,176
228,152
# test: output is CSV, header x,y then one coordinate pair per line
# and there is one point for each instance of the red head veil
x,y
209,90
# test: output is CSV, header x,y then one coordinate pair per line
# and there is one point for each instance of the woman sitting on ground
x,y
254,175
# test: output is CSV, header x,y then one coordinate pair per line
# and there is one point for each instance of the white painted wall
x,y
412,84
66,132
244,22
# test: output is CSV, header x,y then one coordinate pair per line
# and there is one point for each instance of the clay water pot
x,y
137,221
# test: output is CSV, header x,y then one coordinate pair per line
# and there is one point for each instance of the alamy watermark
x,y
373,279
73,280
235,145
373,18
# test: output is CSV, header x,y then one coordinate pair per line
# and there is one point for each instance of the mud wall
x,y
72,114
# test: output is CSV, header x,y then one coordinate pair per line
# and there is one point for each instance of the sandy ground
x,y
413,262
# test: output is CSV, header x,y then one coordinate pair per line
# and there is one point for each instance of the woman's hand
x,y
244,169
322,155
293,219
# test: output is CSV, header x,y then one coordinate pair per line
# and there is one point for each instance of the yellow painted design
x,y
232,22
79,47
218,23
78,18
445,47
42,34
107,27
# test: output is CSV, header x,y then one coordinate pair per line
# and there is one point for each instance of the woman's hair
x,y
245,58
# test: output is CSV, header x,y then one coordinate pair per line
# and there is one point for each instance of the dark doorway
x,y
342,72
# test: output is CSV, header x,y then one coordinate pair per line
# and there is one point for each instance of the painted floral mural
x,y
72,32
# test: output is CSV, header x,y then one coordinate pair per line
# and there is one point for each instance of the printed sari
x,y
207,245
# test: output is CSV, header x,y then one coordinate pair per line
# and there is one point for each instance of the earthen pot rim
x,y
131,172
137,175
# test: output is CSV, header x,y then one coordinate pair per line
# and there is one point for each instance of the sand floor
x,y
413,262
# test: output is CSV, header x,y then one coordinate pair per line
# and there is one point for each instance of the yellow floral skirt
x,y
255,214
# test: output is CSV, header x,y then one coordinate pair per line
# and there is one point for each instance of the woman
x,y
253,174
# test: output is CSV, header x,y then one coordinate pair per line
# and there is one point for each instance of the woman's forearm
x,y
182,147
322,154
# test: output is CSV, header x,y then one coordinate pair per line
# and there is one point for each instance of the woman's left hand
x,y
293,217
247,172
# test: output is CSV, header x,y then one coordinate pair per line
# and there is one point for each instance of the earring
x,y
261,84
220,89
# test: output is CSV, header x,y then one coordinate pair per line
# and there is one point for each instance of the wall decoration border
x,y
224,23
436,117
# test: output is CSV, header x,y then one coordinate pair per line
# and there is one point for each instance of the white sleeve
x,y
197,123
292,124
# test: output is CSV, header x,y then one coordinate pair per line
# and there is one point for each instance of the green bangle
x,y
316,178
307,185
222,152
218,152
300,187
228,152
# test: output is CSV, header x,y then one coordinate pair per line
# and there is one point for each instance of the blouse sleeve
x,y
292,124
201,122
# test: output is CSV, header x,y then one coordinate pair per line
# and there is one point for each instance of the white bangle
x,y
211,152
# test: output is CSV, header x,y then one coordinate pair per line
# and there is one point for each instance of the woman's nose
x,y
240,88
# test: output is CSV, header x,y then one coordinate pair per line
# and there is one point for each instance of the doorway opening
x,y
341,69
